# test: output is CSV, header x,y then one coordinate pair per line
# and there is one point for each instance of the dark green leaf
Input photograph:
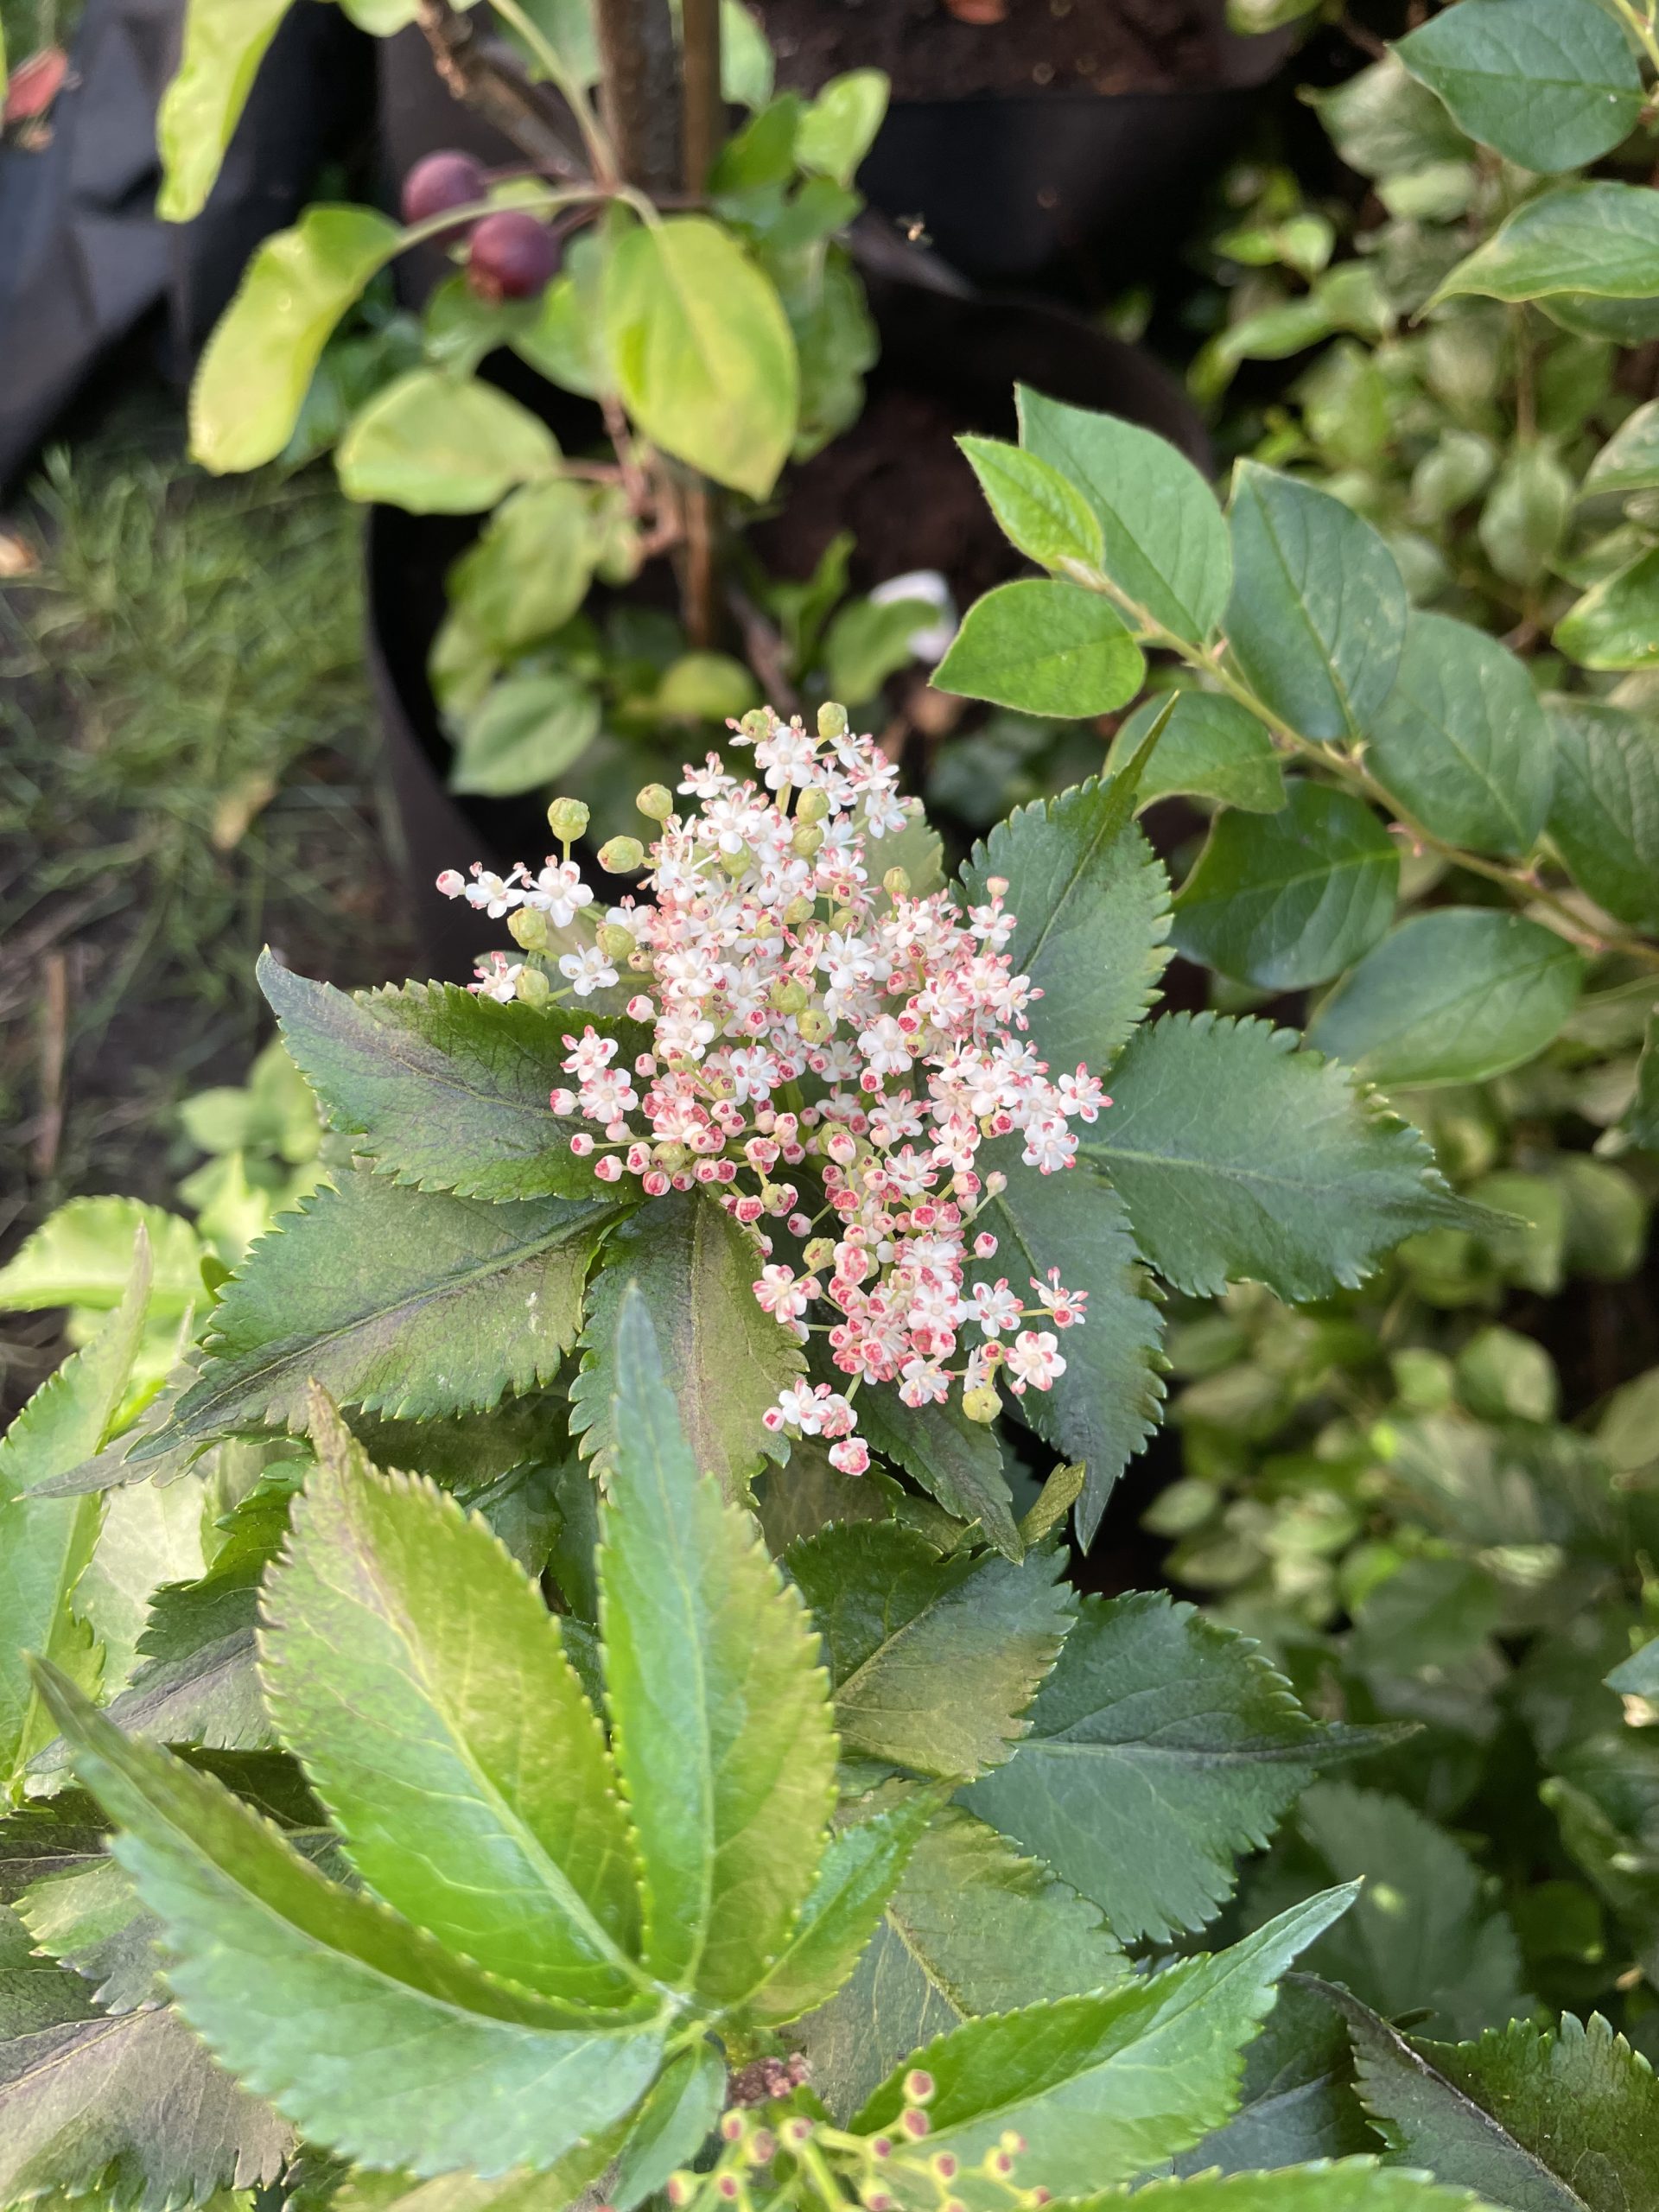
x,y
1211,746
1630,460
1293,898
1242,1158
1605,818
1046,647
1296,2101
1317,614
1351,2185
955,1460
668,2131
1551,83
1600,240
89,1918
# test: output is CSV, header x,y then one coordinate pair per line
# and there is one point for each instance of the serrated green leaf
x,y
1046,647
1318,615
90,1919
933,1660
1211,746
1105,1405
1348,2185
1551,83
1604,817
405,1302
225,41
364,2030
1464,743
1160,1747
81,1255
1296,2101
1102,2087
724,1356
258,362
150,1535
1600,240
448,1091
1042,513
1091,902
973,1929
408,1661
1164,539
1241,1157
1453,996
1616,624
1291,898
1562,2122
956,1461
720,1712
436,444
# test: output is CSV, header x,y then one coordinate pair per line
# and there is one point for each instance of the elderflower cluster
x,y
826,1055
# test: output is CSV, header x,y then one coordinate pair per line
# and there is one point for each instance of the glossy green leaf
x,y
1551,83
1164,539
526,732
1291,898
403,1302
933,1660
1160,1747
1600,240
257,366
1046,647
1211,748
1102,2087
1241,1157
724,1356
1042,514
438,444
404,1655
1562,2122
1616,623
1091,908
443,1089
838,128
719,1709
1105,1405
364,2030
225,41
1296,2101
1630,460
1463,744
1605,818
972,1928
703,356
1318,615
1453,996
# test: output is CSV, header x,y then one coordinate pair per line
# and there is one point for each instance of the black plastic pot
x,y
958,356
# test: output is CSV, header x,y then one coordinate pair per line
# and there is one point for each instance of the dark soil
x,y
1099,46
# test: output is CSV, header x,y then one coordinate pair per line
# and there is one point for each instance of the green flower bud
x,y
818,1254
736,863
527,925
756,724
895,882
815,1025
832,720
982,1404
669,1157
614,941
812,804
807,842
567,818
656,802
772,1196
799,912
787,996
532,986
621,855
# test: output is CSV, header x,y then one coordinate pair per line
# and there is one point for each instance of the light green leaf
x,y
703,356
364,2030
1526,514
724,1356
1349,2185
745,66
1598,240
443,445
1552,84
1383,123
971,1930
1464,743
1042,513
720,1712
1160,1747
89,1918
1105,1405
1562,2122
1045,647
408,1661
838,129
1453,996
1317,614
530,569
1091,908
1630,460
1211,748
1164,539
1640,1122
445,1089
81,1255
857,1877
868,642
1616,623
933,1660
225,41
526,732
1291,899
403,1302
670,2128
1605,818
151,1535
1102,2087
258,363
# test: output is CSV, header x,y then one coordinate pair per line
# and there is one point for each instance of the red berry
x,y
440,182
511,256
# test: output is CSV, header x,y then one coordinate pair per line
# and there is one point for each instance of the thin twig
x,y
484,73
764,649
54,1038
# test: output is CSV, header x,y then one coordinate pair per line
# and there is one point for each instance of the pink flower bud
x,y
608,1170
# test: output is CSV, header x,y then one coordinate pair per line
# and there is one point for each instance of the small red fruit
x,y
511,256
440,182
